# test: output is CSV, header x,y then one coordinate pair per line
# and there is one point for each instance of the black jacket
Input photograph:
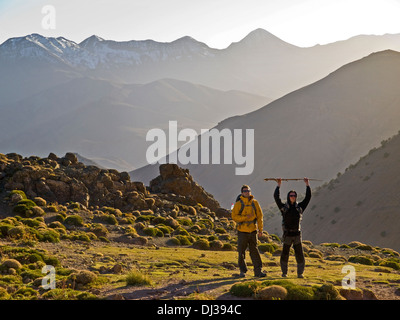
x,y
291,214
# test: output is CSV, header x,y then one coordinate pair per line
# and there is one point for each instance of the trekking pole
x,y
290,179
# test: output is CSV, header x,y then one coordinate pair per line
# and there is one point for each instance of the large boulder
x,y
173,179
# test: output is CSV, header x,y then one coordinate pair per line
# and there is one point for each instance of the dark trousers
x,y
246,239
298,250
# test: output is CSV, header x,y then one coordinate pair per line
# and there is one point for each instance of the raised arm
x,y
277,195
307,198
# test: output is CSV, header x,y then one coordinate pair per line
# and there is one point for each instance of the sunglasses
x,y
292,195
245,191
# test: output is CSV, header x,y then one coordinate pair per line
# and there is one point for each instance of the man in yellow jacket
x,y
248,216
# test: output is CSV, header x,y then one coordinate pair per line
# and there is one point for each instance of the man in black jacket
x,y
291,217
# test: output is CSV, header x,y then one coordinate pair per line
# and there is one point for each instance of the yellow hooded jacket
x,y
246,221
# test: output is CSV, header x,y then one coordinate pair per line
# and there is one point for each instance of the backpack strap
x,y
286,207
242,205
241,210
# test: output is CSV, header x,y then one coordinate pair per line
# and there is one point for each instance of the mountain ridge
x,y
246,65
337,119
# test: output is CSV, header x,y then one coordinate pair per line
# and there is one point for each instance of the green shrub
x,y
136,278
362,260
24,208
4,295
390,252
153,232
185,222
196,228
275,238
207,223
183,240
100,230
165,229
74,205
109,219
327,292
111,210
74,220
332,245
31,222
201,244
67,294
216,245
52,208
245,289
268,247
4,229
220,230
20,192
25,293
17,232
365,247
144,217
315,253
159,220
228,247
174,241
294,291
181,231
391,263
49,235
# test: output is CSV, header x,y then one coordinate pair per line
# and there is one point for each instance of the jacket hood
x,y
241,197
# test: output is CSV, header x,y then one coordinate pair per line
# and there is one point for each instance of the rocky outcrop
x,y
65,179
173,179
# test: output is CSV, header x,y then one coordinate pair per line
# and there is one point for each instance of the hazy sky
x,y
215,22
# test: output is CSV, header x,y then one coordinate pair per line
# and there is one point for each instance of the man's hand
x,y
307,182
278,181
260,233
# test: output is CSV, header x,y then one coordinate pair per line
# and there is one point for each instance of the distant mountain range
x,y
99,97
316,131
260,63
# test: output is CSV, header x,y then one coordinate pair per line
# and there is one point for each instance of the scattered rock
x,y
369,295
273,292
351,294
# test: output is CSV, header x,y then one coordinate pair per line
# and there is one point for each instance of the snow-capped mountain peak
x,y
95,51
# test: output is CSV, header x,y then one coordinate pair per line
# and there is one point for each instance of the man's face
x,y
246,192
292,197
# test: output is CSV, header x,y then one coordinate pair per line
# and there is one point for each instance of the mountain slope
x,y
315,131
362,203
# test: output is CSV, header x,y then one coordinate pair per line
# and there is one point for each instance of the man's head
x,y
292,197
245,190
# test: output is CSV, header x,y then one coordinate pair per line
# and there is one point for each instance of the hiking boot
x,y
260,274
284,275
300,276
242,275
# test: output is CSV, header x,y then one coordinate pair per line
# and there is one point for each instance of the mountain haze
x,y
108,121
62,94
316,131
